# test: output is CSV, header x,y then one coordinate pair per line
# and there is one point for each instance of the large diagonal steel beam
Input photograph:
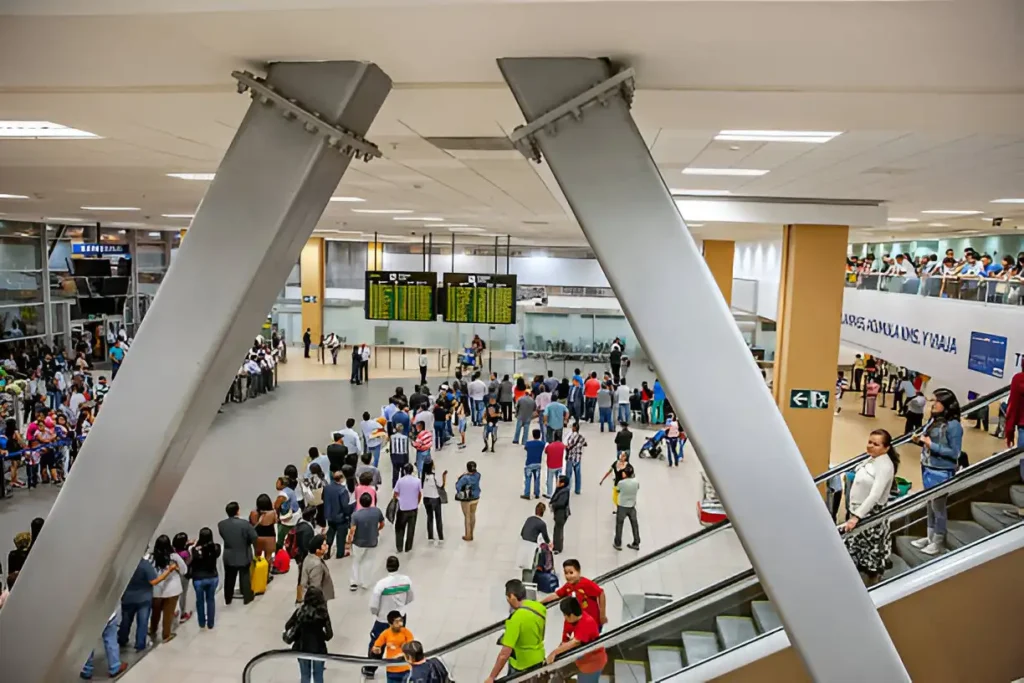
x,y
277,176
577,113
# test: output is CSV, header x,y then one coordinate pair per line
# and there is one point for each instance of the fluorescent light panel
x,y
467,228
805,136
66,220
1008,200
938,225
110,208
41,130
192,176
178,215
724,171
903,220
382,211
13,196
952,212
701,193
347,199
425,219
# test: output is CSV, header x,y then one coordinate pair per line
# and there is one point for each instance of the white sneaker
x,y
934,548
922,542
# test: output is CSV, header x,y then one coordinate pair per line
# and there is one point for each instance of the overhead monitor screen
x,y
479,298
392,295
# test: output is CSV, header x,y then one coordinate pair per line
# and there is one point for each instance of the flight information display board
x,y
392,295
477,298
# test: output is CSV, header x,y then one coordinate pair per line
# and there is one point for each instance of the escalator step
x,y
664,660
993,516
630,671
699,645
765,616
899,565
733,631
960,533
1017,495
913,556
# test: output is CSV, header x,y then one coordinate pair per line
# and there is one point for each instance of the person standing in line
x,y
941,446
422,444
574,446
409,494
467,488
522,645
166,593
364,362
555,461
350,438
314,572
287,506
858,371
575,401
493,417
432,500
399,453
505,397
337,512
239,539
373,435
492,386
590,388
869,493
459,415
622,400
531,468
366,465
534,529
871,395
915,413
554,419
307,341
205,580
389,646
615,360
672,437
658,403
477,395
543,400
626,509
442,420
422,362
137,602
393,593
357,366
605,398
362,539
308,630
623,440
115,667
561,512
526,407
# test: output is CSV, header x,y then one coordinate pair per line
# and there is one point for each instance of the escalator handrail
x,y
967,477
639,562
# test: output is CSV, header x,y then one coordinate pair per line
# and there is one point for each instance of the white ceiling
x,y
929,96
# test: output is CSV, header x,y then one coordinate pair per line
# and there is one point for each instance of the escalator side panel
x,y
967,629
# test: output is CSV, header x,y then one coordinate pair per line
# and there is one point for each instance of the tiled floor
x,y
458,586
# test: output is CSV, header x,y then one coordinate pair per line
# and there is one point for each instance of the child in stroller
x,y
652,447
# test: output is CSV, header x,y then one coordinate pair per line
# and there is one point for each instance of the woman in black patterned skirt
x,y
869,493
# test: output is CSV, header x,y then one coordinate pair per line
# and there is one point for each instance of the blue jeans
x,y
440,435
490,430
675,454
590,404
139,613
375,452
421,458
623,414
553,476
397,676
522,427
594,677
206,590
936,507
531,472
111,648
311,670
605,417
572,472
478,411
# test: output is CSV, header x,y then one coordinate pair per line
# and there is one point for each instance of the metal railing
x,y
965,287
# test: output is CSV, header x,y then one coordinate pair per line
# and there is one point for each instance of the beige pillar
x,y
311,273
719,254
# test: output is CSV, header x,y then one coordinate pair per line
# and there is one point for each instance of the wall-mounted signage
x,y
479,298
987,354
392,295
95,249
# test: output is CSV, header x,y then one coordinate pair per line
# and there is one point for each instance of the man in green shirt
x,y
522,646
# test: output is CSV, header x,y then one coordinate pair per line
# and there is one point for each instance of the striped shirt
x,y
399,444
574,446
424,440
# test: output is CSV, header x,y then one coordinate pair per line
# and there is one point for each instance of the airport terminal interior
x,y
488,340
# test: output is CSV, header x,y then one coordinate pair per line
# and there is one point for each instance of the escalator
x,y
728,613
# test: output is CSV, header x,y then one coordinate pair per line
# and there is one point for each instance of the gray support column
x,y
44,258
271,188
133,287
617,193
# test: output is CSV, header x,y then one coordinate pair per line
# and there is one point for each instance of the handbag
x,y
442,494
391,511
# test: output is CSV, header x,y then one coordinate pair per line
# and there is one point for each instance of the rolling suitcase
x,y
259,573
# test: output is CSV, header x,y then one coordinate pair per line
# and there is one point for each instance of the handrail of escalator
x,y
967,477
630,566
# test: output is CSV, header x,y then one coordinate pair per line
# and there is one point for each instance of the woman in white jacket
x,y
869,493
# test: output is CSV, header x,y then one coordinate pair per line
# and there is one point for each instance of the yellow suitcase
x,y
259,571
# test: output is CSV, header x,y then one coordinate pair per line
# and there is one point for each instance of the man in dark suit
x,y
239,538
336,453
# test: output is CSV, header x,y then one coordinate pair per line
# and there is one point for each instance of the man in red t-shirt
x,y
589,595
578,630
555,461
590,389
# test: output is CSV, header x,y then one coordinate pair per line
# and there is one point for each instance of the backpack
x,y
291,542
429,671
282,562
545,560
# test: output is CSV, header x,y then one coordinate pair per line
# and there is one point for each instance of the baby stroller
x,y
652,447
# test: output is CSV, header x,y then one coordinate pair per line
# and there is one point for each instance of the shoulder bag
x,y
442,494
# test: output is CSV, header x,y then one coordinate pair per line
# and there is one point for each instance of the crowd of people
x,y
951,276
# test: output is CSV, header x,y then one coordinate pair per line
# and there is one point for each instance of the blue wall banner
x,y
94,249
987,354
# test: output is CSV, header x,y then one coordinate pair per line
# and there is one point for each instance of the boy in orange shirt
x,y
390,642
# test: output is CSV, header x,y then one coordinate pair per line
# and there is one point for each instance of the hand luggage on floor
x,y
547,582
282,562
259,572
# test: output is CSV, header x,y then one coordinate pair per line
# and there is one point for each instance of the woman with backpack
x,y
308,630
941,446
869,493
467,492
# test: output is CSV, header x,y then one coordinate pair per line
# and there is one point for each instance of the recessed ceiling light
x,y
724,171
126,225
938,225
155,234
1008,200
347,199
192,176
13,196
903,220
809,136
953,212
122,232
967,232
695,225
465,229
425,219
700,193
178,215
110,208
39,130
382,211
456,225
